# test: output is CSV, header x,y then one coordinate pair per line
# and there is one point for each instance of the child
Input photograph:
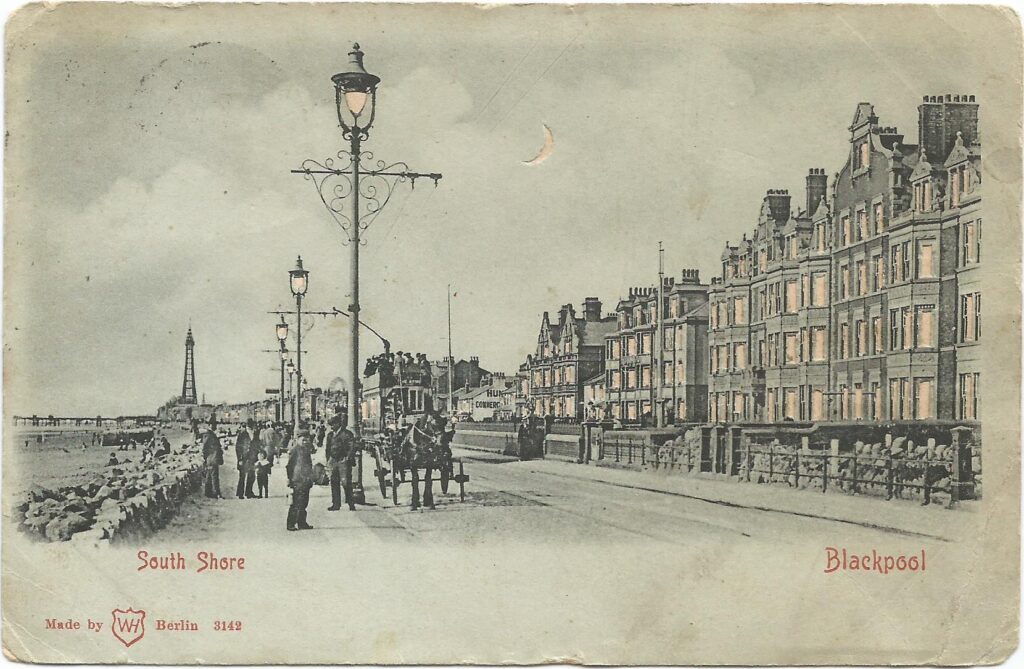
x,y
262,474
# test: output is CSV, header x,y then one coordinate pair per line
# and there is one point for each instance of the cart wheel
x,y
446,475
381,473
394,483
383,482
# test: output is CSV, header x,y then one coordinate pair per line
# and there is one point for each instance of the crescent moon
x,y
546,150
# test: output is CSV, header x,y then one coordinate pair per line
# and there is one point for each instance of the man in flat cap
x,y
300,480
340,451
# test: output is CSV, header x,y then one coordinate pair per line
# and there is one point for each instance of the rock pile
x,y
124,499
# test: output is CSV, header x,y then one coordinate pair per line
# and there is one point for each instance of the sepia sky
x,y
148,151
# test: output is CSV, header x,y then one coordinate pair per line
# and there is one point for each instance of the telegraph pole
x,y
659,341
451,360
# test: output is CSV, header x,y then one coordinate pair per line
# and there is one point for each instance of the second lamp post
x,y
298,280
282,335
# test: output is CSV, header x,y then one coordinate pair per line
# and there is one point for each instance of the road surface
x,y
508,500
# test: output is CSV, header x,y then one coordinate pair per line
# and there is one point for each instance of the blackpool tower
x,y
188,386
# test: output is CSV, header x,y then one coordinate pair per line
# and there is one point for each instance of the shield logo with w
x,y
128,626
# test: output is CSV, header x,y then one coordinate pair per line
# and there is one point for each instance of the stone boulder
x,y
62,527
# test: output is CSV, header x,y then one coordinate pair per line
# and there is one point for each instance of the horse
x,y
421,448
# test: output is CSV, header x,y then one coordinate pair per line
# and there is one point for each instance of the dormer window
x,y
959,184
923,195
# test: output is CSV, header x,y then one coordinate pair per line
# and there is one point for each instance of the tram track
x,y
603,520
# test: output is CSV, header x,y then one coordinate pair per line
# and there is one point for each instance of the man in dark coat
x,y
321,435
341,450
253,454
271,442
213,458
243,442
300,480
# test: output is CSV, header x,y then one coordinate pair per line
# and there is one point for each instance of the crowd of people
x,y
399,365
258,447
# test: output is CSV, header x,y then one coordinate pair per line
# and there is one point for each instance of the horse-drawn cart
x,y
405,435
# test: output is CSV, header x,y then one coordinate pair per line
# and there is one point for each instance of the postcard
x,y
464,334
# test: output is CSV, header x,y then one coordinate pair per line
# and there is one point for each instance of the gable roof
x,y
863,114
959,153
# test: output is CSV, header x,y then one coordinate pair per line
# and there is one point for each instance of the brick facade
x,y
569,351
864,305
632,355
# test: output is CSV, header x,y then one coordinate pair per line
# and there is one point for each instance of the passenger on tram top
x,y
371,366
425,367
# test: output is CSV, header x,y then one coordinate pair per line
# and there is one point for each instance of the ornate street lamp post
x,y
298,281
282,335
366,192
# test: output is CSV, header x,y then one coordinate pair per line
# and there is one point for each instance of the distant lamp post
x,y
355,196
282,335
290,367
298,279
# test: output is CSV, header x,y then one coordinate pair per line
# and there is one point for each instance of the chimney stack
x,y
778,204
690,276
591,309
940,117
890,136
817,186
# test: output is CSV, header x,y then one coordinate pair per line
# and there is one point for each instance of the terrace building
x,y
644,375
569,351
865,305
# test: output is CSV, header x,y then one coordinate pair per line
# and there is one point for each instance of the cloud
x,y
166,195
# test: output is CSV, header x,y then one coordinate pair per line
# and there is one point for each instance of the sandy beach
x,y
60,459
